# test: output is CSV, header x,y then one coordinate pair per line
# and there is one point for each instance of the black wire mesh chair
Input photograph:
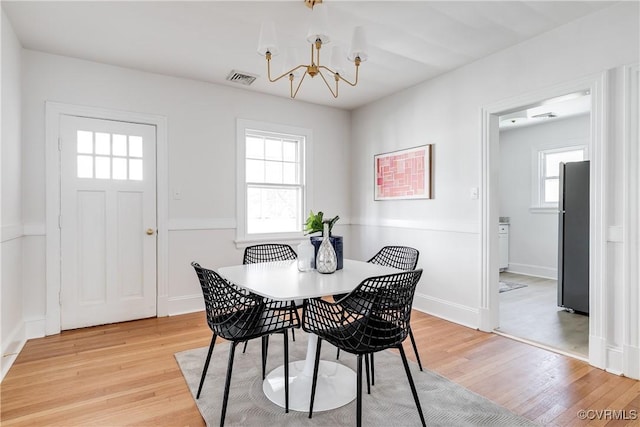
x,y
377,319
400,257
238,315
268,252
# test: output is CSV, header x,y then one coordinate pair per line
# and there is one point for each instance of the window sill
x,y
543,210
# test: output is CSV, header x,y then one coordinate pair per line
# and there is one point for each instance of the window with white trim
x,y
103,155
272,185
548,182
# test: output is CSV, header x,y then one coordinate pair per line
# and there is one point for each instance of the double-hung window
x,y
272,184
547,184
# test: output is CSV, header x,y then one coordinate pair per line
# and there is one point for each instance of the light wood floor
x,y
532,313
125,374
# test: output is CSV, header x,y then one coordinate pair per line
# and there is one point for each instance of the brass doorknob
x,y
150,231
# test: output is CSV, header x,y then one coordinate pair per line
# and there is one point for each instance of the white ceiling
x,y
410,41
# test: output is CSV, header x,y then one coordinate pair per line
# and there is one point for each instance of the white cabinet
x,y
503,244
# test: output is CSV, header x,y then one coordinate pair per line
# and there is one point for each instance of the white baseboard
x,y
631,362
533,270
614,360
11,347
35,229
11,232
185,304
485,321
34,328
597,352
447,310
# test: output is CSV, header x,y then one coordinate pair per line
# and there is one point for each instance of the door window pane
x,y
85,142
104,164
103,143
135,146
119,168
103,167
85,166
135,169
119,145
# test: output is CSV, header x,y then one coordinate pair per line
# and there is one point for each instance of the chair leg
x,y
286,372
373,372
315,376
415,348
245,347
366,368
293,335
206,365
232,351
342,319
265,348
359,393
411,384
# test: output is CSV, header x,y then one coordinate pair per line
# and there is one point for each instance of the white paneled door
x,y
108,221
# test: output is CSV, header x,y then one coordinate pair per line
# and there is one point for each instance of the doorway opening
x,y
597,87
535,143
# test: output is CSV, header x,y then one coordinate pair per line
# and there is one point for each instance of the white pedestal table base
x,y
336,385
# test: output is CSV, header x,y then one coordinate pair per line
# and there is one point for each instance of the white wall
x,y
445,111
12,331
201,149
533,236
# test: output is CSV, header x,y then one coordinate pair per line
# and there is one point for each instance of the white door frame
x,y
598,85
53,111
631,222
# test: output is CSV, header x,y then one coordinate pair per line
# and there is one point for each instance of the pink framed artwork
x,y
403,174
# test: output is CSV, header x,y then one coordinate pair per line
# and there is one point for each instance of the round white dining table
x,y
281,280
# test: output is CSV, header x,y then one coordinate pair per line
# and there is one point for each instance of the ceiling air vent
x,y
544,116
241,77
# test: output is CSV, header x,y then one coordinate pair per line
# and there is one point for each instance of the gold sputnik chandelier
x,y
317,37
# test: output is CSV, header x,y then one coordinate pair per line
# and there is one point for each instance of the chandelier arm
x,y
291,71
293,94
342,78
335,94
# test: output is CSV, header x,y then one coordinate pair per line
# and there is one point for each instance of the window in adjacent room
x,y
272,184
547,186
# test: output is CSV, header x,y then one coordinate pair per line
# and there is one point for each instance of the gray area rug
x,y
390,403
509,286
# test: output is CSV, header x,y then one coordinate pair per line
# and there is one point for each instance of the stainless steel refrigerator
x,y
573,237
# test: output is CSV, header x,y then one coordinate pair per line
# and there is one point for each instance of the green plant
x,y
315,221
